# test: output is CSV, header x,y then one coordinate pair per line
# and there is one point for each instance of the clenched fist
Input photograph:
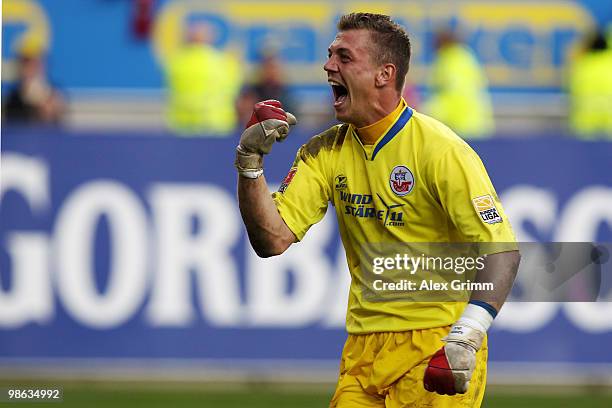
x,y
268,123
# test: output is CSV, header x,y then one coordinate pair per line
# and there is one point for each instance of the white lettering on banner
x,y
74,238
584,213
578,222
528,204
270,304
581,218
29,177
191,241
512,316
30,298
206,252
590,317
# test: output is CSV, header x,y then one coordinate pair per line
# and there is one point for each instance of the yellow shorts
x,y
387,369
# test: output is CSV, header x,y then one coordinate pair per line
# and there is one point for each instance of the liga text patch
x,y
485,207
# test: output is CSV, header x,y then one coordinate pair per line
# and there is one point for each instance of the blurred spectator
x,y
142,18
590,89
269,84
203,84
33,100
460,97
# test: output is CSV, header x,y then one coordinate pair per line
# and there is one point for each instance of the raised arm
x,y
268,233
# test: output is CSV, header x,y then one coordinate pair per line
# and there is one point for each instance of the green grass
x,y
547,401
187,395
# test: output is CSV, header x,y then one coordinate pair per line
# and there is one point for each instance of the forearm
x,y
268,233
500,270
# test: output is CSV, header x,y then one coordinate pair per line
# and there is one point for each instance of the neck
x,y
379,109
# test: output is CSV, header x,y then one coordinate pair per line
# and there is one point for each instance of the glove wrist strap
x,y
476,316
248,164
471,327
251,174
463,333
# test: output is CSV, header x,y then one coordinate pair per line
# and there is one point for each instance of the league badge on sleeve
x,y
485,207
401,180
287,180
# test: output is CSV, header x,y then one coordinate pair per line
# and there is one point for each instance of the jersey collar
x,y
394,128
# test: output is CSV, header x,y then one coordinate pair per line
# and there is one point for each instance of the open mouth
x,y
340,92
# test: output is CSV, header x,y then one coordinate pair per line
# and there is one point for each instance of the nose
x,y
330,66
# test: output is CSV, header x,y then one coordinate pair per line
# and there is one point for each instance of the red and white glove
x,y
268,123
450,369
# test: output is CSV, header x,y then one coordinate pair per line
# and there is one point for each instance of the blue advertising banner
x,y
132,246
523,45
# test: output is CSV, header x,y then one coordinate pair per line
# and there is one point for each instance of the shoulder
x,y
439,145
326,141
435,134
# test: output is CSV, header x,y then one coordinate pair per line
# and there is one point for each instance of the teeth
x,y
334,82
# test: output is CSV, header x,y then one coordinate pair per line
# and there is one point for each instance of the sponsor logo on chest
x,y
364,206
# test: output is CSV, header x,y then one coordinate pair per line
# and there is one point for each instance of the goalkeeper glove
x,y
269,123
450,369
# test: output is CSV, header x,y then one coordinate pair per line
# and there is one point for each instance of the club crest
x,y
401,180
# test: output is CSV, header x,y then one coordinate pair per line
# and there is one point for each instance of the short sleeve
x,y
466,193
304,194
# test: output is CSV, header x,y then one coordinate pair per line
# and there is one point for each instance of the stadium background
x,y
123,261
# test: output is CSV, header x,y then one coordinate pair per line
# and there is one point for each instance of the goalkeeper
x,y
417,182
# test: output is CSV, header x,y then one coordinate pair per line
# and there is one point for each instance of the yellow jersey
x,y
419,182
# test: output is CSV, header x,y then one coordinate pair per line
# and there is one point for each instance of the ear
x,y
386,75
